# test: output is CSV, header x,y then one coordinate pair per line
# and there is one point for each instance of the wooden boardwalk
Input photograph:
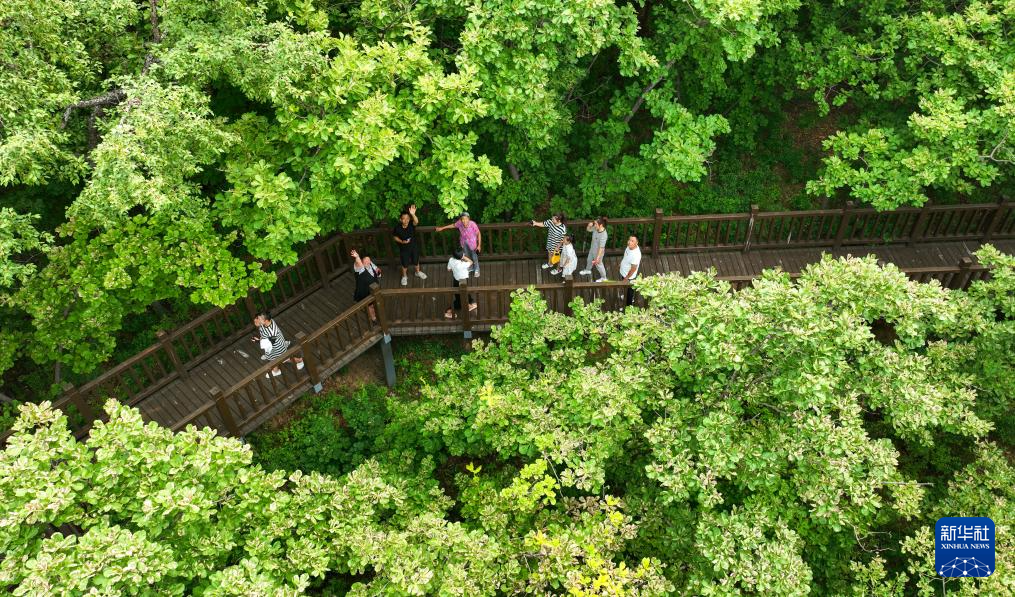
x,y
209,373
180,398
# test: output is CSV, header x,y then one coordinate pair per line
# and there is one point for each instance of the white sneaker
x,y
421,275
602,280
405,280
585,272
554,271
475,274
546,266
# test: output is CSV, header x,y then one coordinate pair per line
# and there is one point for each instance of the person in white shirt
x,y
629,266
459,266
568,258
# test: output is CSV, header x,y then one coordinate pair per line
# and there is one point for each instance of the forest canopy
x,y
770,441
152,153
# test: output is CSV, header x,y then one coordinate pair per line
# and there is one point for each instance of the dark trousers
x,y
408,254
629,297
458,296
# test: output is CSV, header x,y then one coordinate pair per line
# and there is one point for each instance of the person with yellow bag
x,y
555,232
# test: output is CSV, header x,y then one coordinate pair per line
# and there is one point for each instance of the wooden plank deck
x,y
176,400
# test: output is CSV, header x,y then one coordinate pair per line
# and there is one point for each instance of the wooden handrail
x,y
800,214
363,304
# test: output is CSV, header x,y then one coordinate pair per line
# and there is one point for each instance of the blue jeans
x,y
474,256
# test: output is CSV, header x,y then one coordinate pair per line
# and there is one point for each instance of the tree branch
x,y
651,86
117,95
999,145
106,99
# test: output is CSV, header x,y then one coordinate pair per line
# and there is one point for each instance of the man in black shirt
x,y
408,249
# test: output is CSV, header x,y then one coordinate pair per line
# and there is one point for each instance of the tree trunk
x,y
161,308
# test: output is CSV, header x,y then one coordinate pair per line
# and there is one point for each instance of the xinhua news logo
x,y
964,546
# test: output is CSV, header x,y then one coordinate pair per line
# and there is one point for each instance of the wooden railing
x,y
179,351
238,408
405,310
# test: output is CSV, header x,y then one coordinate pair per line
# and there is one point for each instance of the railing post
x,y
750,226
963,278
657,232
382,319
463,292
79,402
167,345
995,219
568,294
843,221
918,226
309,362
223,408
322,267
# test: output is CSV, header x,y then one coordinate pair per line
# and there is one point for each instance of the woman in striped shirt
x,y
555,231
272,341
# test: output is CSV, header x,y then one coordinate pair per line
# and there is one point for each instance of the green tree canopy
x,y
167,147
941,80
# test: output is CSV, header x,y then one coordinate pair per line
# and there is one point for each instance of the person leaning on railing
x,y
366,274
470,238
629,267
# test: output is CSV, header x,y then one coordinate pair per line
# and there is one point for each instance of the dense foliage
x,y
787,439
149,150
332,435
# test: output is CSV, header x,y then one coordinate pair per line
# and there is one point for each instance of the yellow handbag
x,y
555,259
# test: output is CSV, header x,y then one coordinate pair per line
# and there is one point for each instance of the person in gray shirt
x,y
597,250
